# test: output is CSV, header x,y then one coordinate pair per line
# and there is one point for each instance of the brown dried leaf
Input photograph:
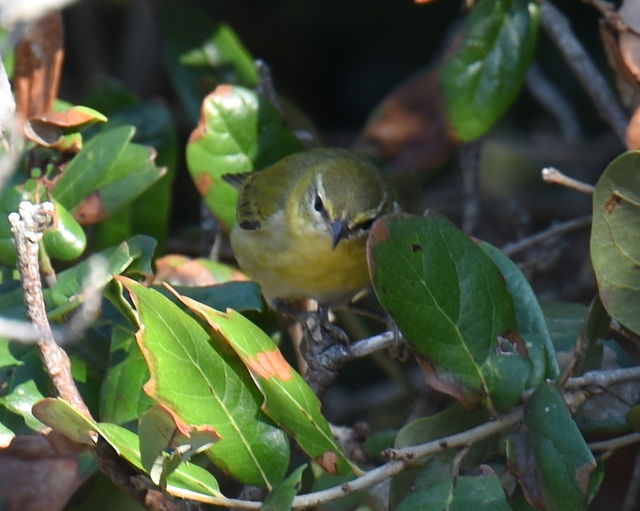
x,y
39,472
408,130
179,270
91,210
630,13
38,65
522,464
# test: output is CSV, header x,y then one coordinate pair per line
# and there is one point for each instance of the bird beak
x,y
338,231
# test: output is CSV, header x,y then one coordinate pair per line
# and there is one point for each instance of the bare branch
x,y
553,175
556,230
615,443
559,30
27,226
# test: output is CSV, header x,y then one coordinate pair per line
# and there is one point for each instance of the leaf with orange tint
x,y
288,400
206,384
180,270
239,131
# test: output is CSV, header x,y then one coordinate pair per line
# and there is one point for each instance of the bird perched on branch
x,y
302,225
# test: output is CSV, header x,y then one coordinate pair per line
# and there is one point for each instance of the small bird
x,y
302,225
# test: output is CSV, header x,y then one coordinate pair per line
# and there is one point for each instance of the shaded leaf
x,y
615,252
452,305
281,497
240,296
288,400
121,396
24,384
238,131
64,418
564,321
563,457
531,324
206,385
201,54
485,75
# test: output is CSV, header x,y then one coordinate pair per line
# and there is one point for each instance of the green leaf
x,y
281,497
65,240
133,172
530,321
66,419
240,296
238,132
451,304
564,321
205,384
165,442
434,490
615,251
24,384
563,457
121,396
90,166
288,400
133,255
485,75
202,54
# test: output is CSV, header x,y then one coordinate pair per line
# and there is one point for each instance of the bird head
x,y
342,196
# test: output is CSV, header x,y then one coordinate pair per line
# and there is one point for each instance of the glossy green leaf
x,y
486,73
530,321
122,399
201,54
24,384
239,131
615,252
66,239
288,400
9,200
563,458
206,385
451,304
90,166
281,497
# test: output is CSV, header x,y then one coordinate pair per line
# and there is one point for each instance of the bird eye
x,y
366,225
318,205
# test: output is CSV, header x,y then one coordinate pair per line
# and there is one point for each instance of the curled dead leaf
x,y
91,210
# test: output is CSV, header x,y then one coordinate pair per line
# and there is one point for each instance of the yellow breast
x,y
302,265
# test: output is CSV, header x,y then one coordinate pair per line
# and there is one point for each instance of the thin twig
x,y
553,101
553,175
27,226
469,162
559,31
556,230
615,443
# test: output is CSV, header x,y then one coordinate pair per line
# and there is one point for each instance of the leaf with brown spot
x,y
288,400
451,304
615,251
205,383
